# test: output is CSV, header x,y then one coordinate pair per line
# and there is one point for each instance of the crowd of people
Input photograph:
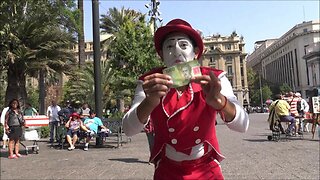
x,y
292,108
74,120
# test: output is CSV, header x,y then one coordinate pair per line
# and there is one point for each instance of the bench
x,y
116,135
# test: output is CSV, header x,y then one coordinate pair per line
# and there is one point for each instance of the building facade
x,y
312,59
282,60
88,49
228,54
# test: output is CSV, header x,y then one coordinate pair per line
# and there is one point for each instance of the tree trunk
x,y
120,104
42,92
16,88
81,49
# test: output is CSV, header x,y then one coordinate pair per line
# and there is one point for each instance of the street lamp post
x,y
154,13
261,97
97,57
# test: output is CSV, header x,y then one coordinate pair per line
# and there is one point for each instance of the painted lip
x,y
178,61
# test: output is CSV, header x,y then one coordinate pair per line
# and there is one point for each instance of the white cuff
x,y
130,122
240,123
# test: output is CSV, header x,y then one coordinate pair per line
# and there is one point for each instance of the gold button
x,y
198,141
171,129
196,128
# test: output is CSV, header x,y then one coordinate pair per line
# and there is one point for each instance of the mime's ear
x,y
196,51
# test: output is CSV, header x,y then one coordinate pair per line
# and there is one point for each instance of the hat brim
x,y
164,31
75,116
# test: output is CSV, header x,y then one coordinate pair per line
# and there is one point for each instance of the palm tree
x,y
81,83
114,19
32,41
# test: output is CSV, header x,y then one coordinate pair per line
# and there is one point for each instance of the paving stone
x,y
248,156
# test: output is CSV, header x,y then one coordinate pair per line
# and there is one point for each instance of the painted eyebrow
x,y
172,39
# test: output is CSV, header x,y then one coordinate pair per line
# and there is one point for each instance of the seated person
x,y
92,123
73,125
282,109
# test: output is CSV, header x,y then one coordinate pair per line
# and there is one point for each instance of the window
x,y
228,58
211,59
231,82
228,46
229,71
305,30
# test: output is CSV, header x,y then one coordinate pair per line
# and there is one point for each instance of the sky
x,y
254,20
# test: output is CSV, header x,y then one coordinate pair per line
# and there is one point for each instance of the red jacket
x,y
184,122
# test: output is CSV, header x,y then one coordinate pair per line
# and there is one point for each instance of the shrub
x,y
1,131
45,131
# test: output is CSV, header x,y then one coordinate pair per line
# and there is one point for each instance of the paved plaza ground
x,y
248,156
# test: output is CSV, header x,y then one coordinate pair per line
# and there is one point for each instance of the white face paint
x,y
177,48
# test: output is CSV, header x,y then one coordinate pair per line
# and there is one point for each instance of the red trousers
x,y
203,168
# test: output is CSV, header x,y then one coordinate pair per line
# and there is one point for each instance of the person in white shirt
x,y
52,113
5,138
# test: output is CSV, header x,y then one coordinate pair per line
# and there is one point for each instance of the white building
x,y
312,58
282,60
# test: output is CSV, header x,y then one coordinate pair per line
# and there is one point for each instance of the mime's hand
x,y
211,86
156,86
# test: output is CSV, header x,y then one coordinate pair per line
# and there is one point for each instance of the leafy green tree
x,y
33,97
252,78
35,35
266,93
132,54
255,97
284,88
254,84
3,86
130,49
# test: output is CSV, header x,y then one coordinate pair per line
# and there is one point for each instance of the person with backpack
x,y
302,108
282,109
13,125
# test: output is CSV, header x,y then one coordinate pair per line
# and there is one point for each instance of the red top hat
x,y
177,25
75,115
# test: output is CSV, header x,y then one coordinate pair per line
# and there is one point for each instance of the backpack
x,y
299,105
273,118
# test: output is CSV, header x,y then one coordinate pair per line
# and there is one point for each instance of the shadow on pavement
x,y
256,140
4,153
129,160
